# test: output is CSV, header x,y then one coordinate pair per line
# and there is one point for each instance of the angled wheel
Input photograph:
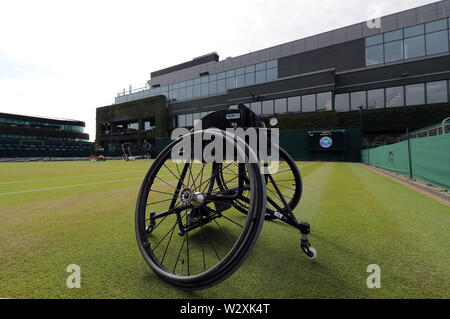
x,y
287,177
189,230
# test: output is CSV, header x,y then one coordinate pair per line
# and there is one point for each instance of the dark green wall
x,y
383,121
139,109
296,143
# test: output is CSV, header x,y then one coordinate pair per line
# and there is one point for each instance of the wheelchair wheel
x,y
287,178
189,230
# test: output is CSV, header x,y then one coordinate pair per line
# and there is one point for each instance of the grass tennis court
x,y
61,213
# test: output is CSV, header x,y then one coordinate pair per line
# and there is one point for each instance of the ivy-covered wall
x,y
383,121
139,110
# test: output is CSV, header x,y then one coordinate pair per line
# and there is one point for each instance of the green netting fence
x,y
426,159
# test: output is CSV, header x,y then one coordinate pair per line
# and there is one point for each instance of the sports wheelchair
x,y
197,220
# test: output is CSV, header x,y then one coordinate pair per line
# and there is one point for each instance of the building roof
x,y
407,18
53,120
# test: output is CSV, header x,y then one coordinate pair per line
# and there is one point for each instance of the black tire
x,y
231,241
289,183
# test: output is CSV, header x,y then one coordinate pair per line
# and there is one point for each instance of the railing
x,y
426,132
132,90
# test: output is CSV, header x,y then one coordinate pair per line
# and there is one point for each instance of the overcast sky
x,y
66,58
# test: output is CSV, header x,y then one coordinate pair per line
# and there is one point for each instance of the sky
x,y
66,58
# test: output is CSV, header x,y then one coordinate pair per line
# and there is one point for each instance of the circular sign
x,y
273,121
326,142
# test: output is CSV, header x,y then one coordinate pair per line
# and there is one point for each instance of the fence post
x,y
409,155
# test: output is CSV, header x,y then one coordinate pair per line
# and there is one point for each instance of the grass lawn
x,y
56,214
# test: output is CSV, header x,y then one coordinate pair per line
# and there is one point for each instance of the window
x,y
272,64
374,55
189,121
324,102
394,35
280,106
240,71
375,99
231,83
256,107
272,74
437,92
415,47
358,99
294,104
204,89
261,66
213,87
230,73
394,96
437,42
261,76
240,80
309,103
181,120
341,102
250,69
436,26
189,92
415,94
182,94
249,78
393,51
376,39
267,107
221,86
196,90
414,31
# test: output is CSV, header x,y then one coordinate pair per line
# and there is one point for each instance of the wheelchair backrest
x,y
240,117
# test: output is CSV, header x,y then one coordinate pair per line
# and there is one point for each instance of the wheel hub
x,y
187,196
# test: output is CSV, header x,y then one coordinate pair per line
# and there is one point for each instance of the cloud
x,y
66,58
14,69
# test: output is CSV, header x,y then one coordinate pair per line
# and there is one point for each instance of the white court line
x,y
77,185
67,177
69,186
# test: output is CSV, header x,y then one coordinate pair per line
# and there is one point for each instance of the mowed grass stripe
x,y
42,232
357,227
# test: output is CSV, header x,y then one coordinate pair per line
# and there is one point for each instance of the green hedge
x,y
393,120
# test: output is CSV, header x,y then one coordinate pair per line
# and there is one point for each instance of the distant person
x,y
126,151
147,148
93,152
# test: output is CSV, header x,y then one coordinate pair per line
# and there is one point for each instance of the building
x,y
31,136
398,73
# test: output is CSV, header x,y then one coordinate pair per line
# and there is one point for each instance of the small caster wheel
x,y
152,224
309,250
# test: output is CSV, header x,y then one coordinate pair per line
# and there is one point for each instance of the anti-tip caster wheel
x,y
309,250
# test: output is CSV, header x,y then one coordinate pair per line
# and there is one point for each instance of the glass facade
x,y
358,99
309,103
342,102
294,104
417,41
394,97
211,84
415,94
35,124
437,92
389,97
375,99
